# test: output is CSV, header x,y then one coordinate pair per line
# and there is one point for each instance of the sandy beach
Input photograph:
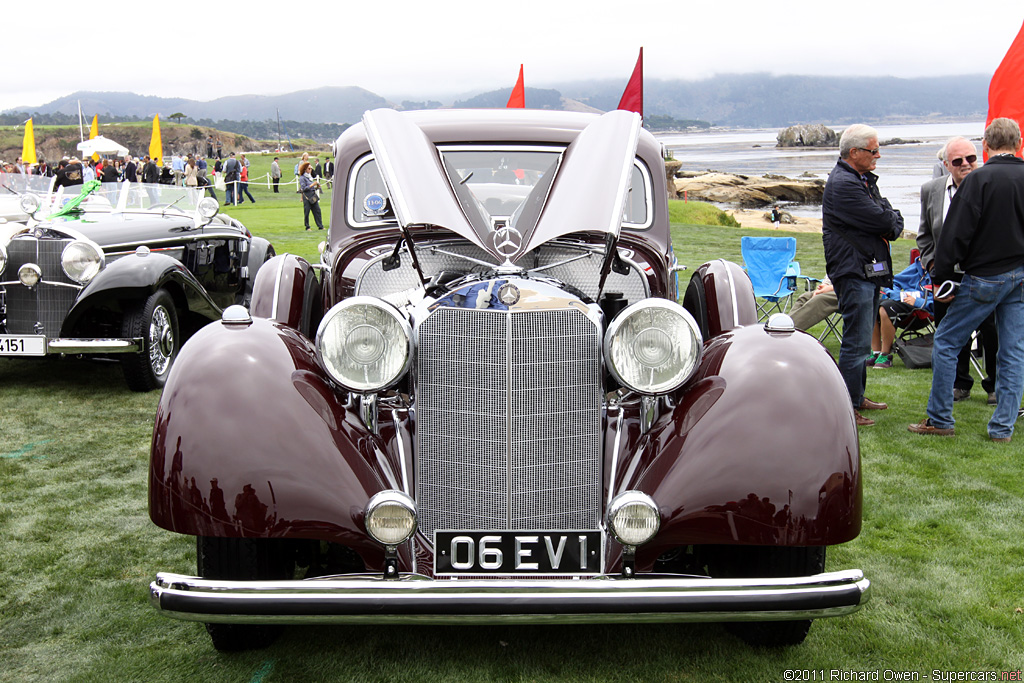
x,y
755,218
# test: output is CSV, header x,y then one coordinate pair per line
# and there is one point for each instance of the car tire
x,y
156,322
243,559
768,561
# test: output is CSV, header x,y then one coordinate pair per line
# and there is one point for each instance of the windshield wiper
x,y
163,211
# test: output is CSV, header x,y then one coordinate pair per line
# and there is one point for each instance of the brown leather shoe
x,y
1000,439
867,404
861,420
926,427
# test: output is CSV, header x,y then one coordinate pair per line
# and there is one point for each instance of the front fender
x,y
134,278
286,290
260,251
720,298
761,448
281,456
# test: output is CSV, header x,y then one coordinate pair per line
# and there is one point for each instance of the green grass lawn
x,y
942,544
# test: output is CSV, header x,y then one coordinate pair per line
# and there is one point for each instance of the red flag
x,y
1005,96
517,100
633,95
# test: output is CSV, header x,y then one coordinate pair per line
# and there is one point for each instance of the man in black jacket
x,y
232,171
131,171
984,234
151,176
959,158
857,224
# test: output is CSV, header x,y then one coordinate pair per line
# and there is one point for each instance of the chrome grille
x,y
508,420
46,303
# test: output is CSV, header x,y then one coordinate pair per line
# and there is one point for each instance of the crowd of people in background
x,y
231,173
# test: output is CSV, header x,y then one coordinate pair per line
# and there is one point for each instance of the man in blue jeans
x,y
983,234
857,224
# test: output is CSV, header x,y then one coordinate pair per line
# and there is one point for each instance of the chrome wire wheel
x,y
155,323
161,341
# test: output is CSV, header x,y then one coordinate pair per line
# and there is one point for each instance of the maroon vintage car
x,y
487,406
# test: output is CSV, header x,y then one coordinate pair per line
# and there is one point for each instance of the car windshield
x,y
498,179
131,197
22,183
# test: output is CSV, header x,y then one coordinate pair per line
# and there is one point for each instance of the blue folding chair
x,y
772,270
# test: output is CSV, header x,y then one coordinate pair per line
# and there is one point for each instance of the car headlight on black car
x,y
653,346
3,259
29,203
208,207
81,261
365,344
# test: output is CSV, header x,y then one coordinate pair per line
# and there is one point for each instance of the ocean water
x,y
902,169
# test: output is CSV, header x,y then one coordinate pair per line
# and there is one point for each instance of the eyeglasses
x,y
873,152
970,159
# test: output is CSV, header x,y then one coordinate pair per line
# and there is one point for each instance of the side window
x,y
365,181
636,214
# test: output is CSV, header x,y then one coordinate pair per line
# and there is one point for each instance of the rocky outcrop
x,y
672,167
812,135
748,192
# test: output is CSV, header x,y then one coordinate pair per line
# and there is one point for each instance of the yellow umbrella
x,y
28,147
156,146
93,132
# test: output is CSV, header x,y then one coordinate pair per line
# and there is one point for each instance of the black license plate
x,y
483,553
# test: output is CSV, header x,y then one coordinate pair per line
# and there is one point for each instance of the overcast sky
x,y
400,48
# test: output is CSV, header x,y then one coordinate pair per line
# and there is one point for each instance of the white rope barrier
x,y
326,183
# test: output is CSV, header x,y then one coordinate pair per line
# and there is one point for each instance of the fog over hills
x,y
744,100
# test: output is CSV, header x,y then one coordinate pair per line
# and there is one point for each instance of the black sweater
x,y
984,228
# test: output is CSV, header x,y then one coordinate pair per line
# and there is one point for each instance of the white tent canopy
x,y
101,145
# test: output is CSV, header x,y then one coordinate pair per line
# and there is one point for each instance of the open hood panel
x,y
584,188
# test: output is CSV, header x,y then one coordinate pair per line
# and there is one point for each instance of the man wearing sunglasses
x,y
959,158
857,224
984,234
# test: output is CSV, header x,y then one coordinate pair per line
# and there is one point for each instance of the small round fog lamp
x,y
633,518
30,274
391,517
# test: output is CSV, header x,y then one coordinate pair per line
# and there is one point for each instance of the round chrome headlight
x,y
208,207
3,258
29,203
365,344
30,274
633,518
81,261
391,517
653,346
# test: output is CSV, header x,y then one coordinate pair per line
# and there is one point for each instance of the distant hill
x,y
766,101
322,105
747,100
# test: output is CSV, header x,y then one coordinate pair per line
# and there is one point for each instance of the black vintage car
x,y
125,271
486,405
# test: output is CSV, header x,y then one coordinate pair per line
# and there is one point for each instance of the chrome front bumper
x,y
77,346
418,599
